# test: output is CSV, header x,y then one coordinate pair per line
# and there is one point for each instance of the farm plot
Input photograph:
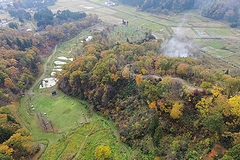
x,y
182,31
121,33
111,19
73,5
215,32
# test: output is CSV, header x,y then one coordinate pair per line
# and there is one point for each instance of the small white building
x,y
109,3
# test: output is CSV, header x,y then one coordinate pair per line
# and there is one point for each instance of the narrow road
x,y
37,155
30,91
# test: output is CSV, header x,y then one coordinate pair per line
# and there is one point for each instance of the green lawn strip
x,y
215,44
217,31
217,52
198,41
153,26
162,21
138,22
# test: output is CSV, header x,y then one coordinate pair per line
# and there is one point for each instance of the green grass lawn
x,y
71,136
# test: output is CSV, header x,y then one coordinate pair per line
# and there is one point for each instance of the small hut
x,y
54,92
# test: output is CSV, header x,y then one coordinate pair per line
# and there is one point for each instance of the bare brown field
x,y
182,31
112,19
4,16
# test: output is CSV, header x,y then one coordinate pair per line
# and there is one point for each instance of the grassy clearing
x,y
121,33
71,138
153,26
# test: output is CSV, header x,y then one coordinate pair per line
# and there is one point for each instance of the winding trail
x,y
184,83
84,142
38,155
155,77
30,91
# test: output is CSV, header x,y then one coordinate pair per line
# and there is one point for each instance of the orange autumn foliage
x,y
115,77
153,104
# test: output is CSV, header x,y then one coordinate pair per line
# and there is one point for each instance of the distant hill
x,y
224,10
215,9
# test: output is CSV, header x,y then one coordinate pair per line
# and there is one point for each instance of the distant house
x,y
109,3
4,20
89,38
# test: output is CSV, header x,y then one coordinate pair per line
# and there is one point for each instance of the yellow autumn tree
x,y
4,149
138,79
157,158
235,105
216,91
176,111
114,77
204,106
22,144
102,152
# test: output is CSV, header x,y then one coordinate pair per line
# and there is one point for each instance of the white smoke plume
x,y
177,48
178,45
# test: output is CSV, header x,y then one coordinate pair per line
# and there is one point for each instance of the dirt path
x,y
156,77
84,142
30,91
37,155
189,87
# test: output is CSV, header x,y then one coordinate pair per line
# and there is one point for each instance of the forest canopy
x,y
149,96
